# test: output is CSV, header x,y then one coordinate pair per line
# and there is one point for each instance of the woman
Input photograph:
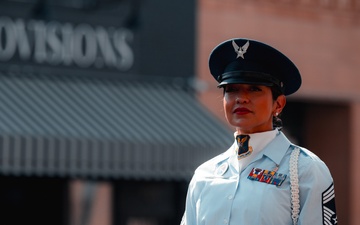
x,y
263,178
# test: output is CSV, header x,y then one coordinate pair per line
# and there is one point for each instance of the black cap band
x,y
248,77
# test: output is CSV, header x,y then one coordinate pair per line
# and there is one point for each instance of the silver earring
x,y
276,114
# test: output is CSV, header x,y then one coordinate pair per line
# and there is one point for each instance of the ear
x,y
279,104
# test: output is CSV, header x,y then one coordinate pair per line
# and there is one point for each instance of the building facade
x,y
99,122
321,38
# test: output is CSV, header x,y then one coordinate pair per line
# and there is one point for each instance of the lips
x,y
242,111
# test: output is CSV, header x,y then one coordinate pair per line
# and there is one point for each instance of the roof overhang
x,y
103,128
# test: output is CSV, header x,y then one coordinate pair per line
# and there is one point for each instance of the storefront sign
x,y
66,44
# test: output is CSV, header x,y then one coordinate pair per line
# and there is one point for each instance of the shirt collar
x,y
259,140
276,149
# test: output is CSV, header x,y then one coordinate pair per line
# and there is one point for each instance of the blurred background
x,y
107,107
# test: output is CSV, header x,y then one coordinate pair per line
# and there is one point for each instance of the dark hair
x,y
277,122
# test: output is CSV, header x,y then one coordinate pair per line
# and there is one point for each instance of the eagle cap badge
x,y
240,50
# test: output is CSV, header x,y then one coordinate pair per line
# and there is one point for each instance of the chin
x,y
240,123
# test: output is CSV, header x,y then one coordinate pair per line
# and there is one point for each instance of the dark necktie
x,y
243,144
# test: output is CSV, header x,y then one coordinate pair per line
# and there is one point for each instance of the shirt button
x,y
230,197
226,221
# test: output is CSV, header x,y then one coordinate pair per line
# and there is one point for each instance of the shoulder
x,y
206,172
307,158
311,167
208,167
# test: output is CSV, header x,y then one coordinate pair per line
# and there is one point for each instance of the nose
x,y
242,98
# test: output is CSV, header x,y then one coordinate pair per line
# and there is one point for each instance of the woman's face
x,y
250,108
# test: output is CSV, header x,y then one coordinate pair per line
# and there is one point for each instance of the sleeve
x,y
317,195
189,217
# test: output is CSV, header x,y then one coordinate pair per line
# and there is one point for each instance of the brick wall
x,y
322,38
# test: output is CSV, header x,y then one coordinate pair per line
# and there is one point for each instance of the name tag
x,y
267,176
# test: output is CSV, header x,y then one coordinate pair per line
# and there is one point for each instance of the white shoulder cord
x,y
294,185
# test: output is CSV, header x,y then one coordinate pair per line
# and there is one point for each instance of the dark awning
x,y
103,128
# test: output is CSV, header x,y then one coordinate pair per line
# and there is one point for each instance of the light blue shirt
x,y
221,194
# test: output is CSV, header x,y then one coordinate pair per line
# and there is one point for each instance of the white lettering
x,y
68,44
7,39
122,39
54,53
84,45
107,51
39,29
62,44
23,40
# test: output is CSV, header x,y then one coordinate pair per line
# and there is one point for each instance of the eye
x,y
255,88
229,89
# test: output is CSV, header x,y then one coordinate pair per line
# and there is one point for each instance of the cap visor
x,y
245,81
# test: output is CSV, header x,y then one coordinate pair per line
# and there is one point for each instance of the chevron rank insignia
x,y
328,205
